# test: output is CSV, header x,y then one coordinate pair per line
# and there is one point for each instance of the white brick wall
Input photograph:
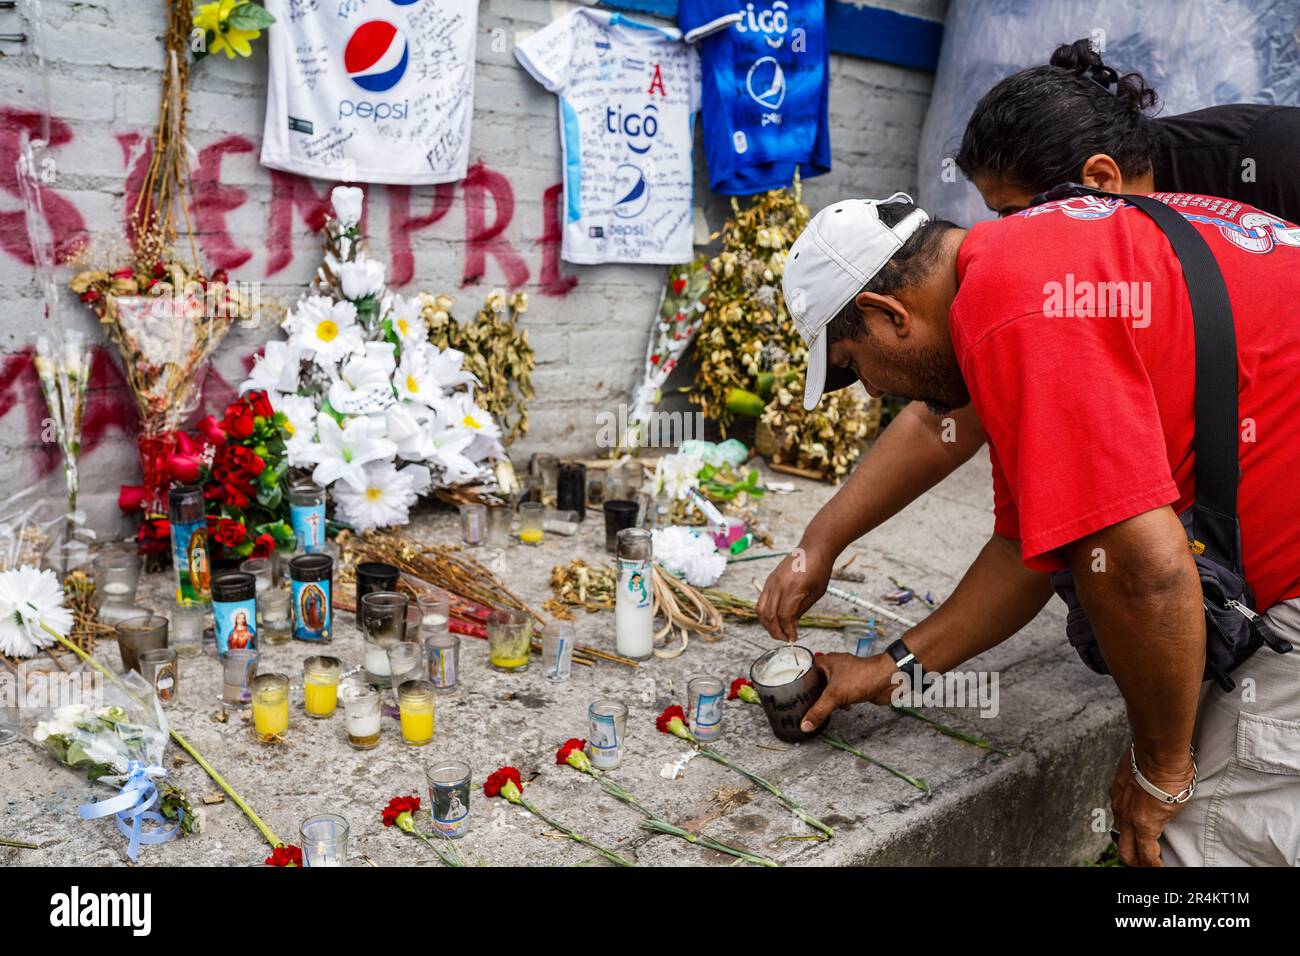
x,y
103,59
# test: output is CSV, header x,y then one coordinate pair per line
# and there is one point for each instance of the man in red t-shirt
x,y
1068,329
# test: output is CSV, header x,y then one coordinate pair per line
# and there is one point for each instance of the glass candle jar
x,y
405,662
449,797
547,468
627,480
189,534
362,716
532,517
443,654
188,625
561,522
139,633
374,576
234,611
237,673
557,651
311,582
510,637
606,720
383,614
571,488
705,700
274,620
415,706
473,523
434,605
860,640
270,705
117,577
324,840
320,686
634,599
307,514
498,526
158,668
619,514
281,560
260,569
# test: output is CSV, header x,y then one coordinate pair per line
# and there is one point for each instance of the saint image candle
x,y
234,611
705,698
189,534
473,523
606,720
307,514
311,584
633,601
362,716
270,705
443,653
415,706
449,797
320,685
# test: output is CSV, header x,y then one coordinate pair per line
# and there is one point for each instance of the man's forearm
x,y
912,455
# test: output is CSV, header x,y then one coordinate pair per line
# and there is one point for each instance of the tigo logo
x,y
376,56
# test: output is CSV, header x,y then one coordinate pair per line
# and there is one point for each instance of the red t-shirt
x,y
1074,333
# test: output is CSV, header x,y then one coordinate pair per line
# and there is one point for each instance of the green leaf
x,y
249,16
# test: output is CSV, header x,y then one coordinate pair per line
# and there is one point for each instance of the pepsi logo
x,y
376,56
633,191
766,83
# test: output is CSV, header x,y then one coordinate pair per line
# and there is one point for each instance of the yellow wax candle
x,y
320,700
271,716
510,662
531,535
417,725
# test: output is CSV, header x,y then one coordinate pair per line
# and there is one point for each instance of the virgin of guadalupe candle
x,y
311,583
189,530
633,601
449,798
307,514
234,609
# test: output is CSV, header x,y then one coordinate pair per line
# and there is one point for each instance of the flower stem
x,y
950,731
184,744
452,858
842,744
774,790
575,837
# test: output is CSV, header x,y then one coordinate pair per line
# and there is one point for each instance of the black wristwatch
x,y
904,659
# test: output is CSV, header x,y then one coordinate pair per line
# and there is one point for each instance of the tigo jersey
x,y
374,91
628,96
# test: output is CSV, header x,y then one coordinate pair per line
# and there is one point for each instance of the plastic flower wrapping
x,y
378,413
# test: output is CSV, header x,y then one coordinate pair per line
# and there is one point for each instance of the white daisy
x,y
384,498
342,452
461,413
361,278
30,601
327,328
407,322
300,414
415,381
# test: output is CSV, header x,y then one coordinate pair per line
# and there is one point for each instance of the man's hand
x,y
796,584
850,680
1139,817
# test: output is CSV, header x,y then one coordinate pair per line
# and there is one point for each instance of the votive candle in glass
x,y
191,558
141,632
619,514
449,797
414,623
374,576
510,637
547,468
270,705
188,625
634,615
237,673
532,522
498,526
158,668
362,716
405,662
705,699
443,653
234,611
557,651
117,577
415,706
324,840
606,720
571,488
274,618
473,523
860,640
311,583
435,610
260,569
320,685
307,514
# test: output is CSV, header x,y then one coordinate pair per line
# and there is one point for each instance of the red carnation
x,y
662,721
397,806
285,855
505,779
743,688
568,747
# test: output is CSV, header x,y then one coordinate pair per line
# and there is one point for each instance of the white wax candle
x,y
116,587
433,619
377,660
634,614
784,667
363,725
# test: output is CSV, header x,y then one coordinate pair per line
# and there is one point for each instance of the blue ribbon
x,y
133,808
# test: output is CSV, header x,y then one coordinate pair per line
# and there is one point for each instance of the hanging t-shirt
x,y
766,64
373,92
628,96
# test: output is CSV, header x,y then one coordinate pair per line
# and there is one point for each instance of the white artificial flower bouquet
x,y
379,414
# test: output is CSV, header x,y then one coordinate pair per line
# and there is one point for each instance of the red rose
x,y
263,546
398,806
130,497
235,497
499,778
284,855
230,533
154,536
260,403
212,430
238,421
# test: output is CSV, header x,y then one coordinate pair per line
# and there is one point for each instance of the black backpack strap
x,y
1217,422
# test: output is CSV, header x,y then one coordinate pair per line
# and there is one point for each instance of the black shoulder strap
x,y
1217,423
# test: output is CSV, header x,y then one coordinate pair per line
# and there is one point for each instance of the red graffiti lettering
x,y
657,82
401,224
552,281
290,192
67,228
481,239
212,201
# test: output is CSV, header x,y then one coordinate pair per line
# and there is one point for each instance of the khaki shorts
x,y
1246,809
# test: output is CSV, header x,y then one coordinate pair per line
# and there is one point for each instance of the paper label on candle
x,y
311,610
235,624
190,558
707,715
450,808
308,522
164,682
606,748
442,666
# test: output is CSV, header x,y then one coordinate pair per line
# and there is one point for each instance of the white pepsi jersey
x,y
628,95
372,91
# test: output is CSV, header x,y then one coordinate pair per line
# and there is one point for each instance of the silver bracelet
x,y
1181,797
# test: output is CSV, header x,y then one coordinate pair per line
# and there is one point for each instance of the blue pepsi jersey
x,y
765,74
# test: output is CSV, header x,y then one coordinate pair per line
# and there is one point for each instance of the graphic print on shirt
x,y
627,97
379,91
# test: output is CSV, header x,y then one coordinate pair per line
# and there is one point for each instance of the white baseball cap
x,y
838,253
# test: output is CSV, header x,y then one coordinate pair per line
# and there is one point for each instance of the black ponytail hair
x,y
1035,128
